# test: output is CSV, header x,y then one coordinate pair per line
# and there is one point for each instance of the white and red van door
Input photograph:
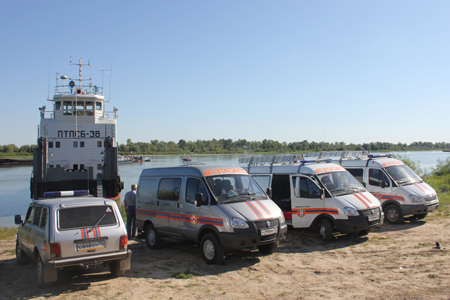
x,y
306,202
379,184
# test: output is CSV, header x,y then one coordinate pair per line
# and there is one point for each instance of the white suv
x,y
72,231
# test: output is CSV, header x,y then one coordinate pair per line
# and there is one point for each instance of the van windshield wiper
x,y
95,225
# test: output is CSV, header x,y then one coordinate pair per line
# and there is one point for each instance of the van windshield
x,y
340,183
403,175
234,187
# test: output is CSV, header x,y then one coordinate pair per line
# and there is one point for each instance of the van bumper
x,y
418,209
89,260
356,224
249,238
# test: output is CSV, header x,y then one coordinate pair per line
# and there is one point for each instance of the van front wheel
x,y
393,214
326,230
152,237
212,251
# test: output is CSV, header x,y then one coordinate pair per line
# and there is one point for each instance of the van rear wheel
x,y
212,250
326,230
393,214
152,237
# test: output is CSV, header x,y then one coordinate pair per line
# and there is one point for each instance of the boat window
x,y
82,167
50,166
81,144
89,108
58,144
50,144
75,144
67,108
99,166
75,167
98,105
57,105
99,144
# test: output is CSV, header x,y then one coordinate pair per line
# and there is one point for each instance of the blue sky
x,y
352,71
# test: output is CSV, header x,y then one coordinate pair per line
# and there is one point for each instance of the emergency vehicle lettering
x,y
364,200
329,169
181,217
224,171
392,163
85,232
424,189
388,197
311,211
44,247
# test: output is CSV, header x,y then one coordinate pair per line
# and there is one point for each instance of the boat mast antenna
x,y
80,72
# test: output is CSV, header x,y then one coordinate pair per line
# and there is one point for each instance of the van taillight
x,y
123,241
55,250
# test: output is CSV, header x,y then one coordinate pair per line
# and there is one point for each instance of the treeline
x,y
11,148
228,146
224,146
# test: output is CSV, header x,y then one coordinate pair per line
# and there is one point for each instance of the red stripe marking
x,y
254,210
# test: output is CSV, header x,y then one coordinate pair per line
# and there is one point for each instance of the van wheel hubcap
x,y
151,237
208,249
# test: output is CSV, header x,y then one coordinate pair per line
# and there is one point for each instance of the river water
x,y
15,181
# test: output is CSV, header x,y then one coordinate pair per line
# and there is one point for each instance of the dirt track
x,y
393,262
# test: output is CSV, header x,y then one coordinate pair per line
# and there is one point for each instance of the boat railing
x,y
80,90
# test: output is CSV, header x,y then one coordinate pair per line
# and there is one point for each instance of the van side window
x,y
262,180
376,176
307,188
37,215
44,217
169,189
147,188
357,173
195,186
29,213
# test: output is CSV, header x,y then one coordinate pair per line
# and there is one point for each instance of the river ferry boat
x,y
77,142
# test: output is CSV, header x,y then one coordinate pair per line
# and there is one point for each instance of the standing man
x,y
130,208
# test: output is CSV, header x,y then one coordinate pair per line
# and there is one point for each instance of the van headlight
x,y
282,220
350,211
238,223
415,199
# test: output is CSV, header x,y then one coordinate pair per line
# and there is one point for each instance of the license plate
x,y
373,217
269,231
91,246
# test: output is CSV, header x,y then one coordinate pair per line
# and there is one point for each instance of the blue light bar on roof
x,y
66,193
313,161
379,155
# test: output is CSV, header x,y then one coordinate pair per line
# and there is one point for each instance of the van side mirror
x,y
198,199
18,220
269,192
383,184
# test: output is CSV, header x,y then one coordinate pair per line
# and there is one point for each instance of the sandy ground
x,y
393,262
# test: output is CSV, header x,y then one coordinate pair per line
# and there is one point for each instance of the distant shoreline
x,y
16,162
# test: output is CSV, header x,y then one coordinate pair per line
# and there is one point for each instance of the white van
x,y
316,194
400,191
218,206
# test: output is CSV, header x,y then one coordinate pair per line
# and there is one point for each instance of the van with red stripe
x,y
75,230
220,207
400,190
316,194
